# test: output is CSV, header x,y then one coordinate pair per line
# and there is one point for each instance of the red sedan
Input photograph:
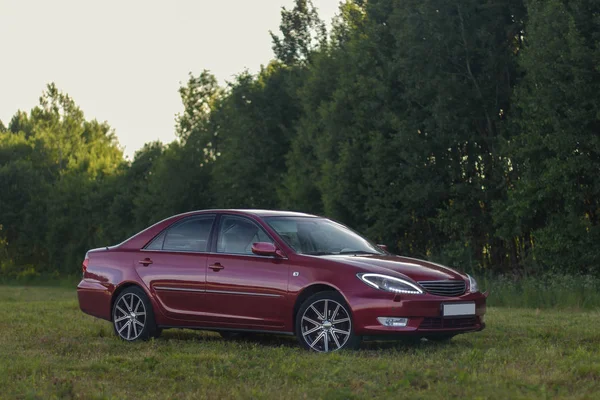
x,y
289,273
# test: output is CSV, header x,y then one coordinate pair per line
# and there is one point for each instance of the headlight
x,y
473,288
390,284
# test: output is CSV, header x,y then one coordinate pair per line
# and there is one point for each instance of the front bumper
x,y
424,313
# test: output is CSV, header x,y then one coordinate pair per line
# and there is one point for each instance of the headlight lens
x,y
390,284
473,288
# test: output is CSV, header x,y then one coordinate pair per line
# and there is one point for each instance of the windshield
x,y
320,236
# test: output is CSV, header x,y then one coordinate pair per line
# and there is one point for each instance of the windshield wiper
x,y
318,253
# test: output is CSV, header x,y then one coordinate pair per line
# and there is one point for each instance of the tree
x,y
302,32
553,207
52,165
255,125
401,124
176,177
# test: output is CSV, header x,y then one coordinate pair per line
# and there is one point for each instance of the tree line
x,y
466,132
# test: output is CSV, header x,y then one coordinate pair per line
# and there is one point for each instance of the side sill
x,y
214,329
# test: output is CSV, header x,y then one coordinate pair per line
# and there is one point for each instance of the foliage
x,y
52,161
255,126
464,132
302,32
553,204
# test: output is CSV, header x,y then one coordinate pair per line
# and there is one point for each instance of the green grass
x,y
547,291
49,349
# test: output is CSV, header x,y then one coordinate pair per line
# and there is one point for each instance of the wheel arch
x,y
119,289
310,290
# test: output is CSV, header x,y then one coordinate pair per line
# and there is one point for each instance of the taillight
x,y
84,265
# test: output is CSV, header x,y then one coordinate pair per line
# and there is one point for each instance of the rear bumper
x,y
94,299
424,313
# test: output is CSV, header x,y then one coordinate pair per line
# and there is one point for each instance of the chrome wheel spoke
x,y
138,306
333,326
339,321
125,325
129,325
134,328
317,339
316,328
312,321
334,330
335,314
335,339
317,312
121,318
125,304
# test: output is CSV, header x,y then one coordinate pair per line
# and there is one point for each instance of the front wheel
x,y
133,317
324,323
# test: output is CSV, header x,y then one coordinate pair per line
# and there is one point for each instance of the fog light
x,y
391,321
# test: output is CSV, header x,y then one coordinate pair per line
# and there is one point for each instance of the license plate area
x,y
458,309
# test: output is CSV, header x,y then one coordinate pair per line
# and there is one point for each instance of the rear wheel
x,y
324,323
133,317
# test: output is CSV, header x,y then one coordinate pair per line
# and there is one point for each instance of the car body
x,y
250,271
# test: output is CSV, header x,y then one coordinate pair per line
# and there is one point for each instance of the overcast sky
x,y
122,61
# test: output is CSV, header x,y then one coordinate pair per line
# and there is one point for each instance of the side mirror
x,y
267,249
383,247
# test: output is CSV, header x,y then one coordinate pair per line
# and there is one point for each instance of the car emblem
x,y
296,274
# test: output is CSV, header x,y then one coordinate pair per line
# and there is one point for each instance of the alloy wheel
x,y
129,316
326,325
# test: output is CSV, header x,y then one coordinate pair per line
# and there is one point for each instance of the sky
x,y
123,61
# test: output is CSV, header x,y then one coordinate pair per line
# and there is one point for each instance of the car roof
x,y
141,238
258,213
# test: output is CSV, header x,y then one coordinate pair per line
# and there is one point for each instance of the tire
x,y
326,333
133,316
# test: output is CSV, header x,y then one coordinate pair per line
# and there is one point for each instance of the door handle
x,y
145,262
216,267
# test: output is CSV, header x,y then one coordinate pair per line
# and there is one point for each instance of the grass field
x,y
49,349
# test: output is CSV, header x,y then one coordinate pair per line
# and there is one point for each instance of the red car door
x,y
244,290
173,266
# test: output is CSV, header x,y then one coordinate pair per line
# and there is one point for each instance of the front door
x,y
244,290
173,266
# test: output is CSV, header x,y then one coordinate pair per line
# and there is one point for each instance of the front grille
x,y
445,288
445,323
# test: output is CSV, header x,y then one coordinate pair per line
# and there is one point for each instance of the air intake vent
x,y
445,288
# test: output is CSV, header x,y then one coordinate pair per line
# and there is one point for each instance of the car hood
x,y
417,270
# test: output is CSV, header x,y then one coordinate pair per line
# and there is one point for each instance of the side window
x,y
236,235
189,235
157,243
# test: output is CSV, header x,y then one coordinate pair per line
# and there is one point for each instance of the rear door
x,y
173,266
245,290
